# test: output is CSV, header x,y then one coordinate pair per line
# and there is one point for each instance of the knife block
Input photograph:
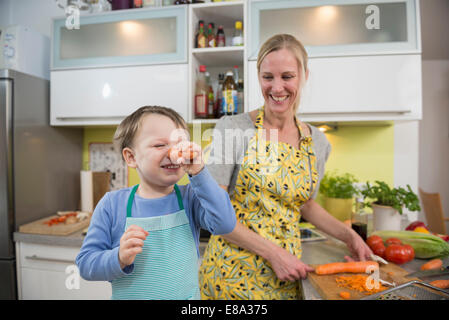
x,y
94,185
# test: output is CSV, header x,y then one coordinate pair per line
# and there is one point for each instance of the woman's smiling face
x,y
279,79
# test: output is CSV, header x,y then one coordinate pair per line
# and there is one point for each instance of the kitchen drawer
x,y
47,257
40,284
49,272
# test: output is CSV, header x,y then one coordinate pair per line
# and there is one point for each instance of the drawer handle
x,y
36,258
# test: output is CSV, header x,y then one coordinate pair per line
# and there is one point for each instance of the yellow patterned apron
x,y
275,179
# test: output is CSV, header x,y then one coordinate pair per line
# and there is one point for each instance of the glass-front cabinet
x,y
364,56
117,62
344,27
125,37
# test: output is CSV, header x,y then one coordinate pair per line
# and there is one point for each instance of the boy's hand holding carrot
x,y
188,155
131,244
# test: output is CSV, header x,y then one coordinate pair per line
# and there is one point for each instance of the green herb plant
x,y
338,186
397,198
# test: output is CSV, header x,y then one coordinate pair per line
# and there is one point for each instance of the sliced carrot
x,y
432,264
358,282
350,267
345,295
442,284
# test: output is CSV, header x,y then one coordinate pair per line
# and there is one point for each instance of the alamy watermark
x,y
72,13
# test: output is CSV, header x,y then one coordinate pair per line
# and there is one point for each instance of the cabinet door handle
x,y
36,258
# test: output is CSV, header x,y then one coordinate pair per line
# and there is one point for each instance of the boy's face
x,y
156,134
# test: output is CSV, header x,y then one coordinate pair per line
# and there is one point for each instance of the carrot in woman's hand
x,y
432,264
442,284
340,267
345,295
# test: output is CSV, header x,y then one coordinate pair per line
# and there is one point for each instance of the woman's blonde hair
x,y
127,129
287,41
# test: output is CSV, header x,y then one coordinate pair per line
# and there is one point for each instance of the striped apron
x,y
167,267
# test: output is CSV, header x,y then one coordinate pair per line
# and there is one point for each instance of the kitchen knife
x,y
429,273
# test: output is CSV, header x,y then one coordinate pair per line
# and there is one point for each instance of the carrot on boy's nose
x,y
173,155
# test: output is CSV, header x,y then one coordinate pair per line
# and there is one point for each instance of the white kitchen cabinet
x,y
47,272
105,96
339,27
117,62
373,88
119,38
356,73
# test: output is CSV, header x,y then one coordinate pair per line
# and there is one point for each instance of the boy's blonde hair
x,y
126,131
287,41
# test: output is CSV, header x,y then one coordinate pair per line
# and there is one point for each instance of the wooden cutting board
x,y
327,287
60,229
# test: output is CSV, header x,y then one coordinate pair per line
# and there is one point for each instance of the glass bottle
x,y
210,97
211,43
236,74
201,40
220,39
218,109
198,32
137,4
201,94
240,96
237,39
230,102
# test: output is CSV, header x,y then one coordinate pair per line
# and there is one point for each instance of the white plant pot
x,y
386,218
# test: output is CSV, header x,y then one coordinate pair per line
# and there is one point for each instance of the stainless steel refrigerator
x,y
39,164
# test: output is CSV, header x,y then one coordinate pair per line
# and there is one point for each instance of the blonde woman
x,y
272,178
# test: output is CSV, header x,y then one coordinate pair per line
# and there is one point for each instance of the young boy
x,y
144,239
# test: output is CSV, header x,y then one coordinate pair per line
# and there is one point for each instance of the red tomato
x,y
373,240
393,241
410,250
379,249
397,254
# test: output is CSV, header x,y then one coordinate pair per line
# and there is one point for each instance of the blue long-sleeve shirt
x,y
206,204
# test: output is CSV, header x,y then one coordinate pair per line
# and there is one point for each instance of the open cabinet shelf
x,y
219,59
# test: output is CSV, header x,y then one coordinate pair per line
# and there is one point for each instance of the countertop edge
x,y
73,240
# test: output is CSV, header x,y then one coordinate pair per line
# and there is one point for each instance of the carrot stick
x,y
432,264
442,284
351,267
190,154
345,295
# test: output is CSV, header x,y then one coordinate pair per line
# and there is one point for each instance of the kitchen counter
x,y
319,252
333,250
73,240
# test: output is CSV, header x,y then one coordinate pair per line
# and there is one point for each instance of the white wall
x,y
35,14
434,131
406,157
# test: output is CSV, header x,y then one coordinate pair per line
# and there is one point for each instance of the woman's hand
x,y
358,248
287,266
188,155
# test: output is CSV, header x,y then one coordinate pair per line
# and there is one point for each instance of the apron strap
x,y
178,195
131,199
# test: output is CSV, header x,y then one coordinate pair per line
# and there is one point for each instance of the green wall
x,y
365,151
